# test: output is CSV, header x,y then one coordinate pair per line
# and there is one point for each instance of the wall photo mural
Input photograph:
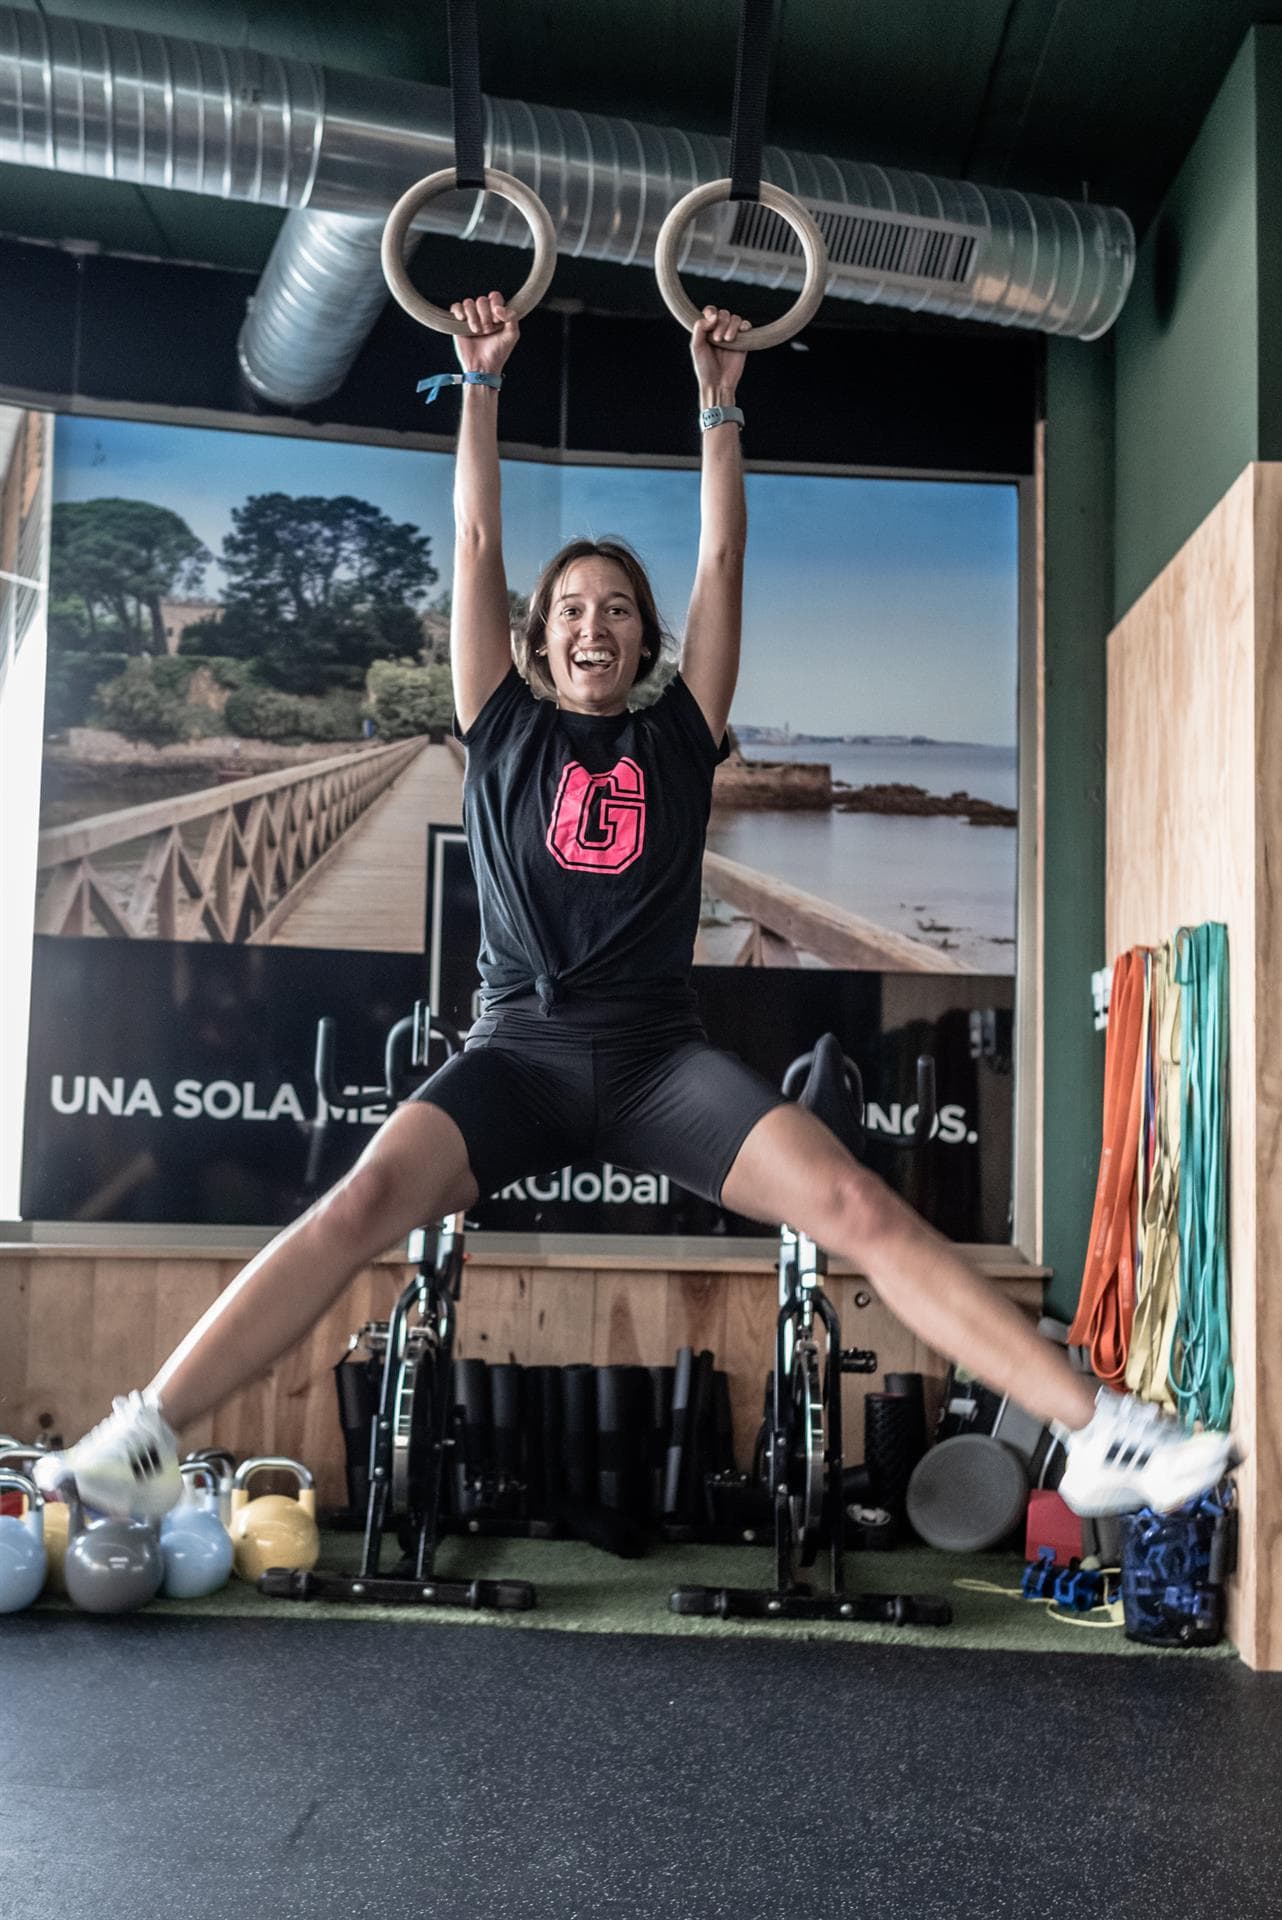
x,y
248,751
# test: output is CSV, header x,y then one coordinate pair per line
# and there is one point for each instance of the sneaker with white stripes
x,y
1134,1455
126,1466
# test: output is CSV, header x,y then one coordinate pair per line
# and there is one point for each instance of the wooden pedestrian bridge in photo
x,y
334,854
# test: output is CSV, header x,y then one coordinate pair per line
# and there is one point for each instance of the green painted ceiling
x,y
1101,96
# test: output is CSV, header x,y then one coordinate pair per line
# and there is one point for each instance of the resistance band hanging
x,y
751,92
1203,1376
1106,1307
1157,1280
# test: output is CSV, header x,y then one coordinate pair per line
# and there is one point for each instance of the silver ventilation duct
x,y
142,107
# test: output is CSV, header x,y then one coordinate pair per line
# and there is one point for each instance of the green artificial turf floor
x,y
581,1589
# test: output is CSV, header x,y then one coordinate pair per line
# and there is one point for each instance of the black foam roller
x,y
912,1387
623,1435
357,1382
683,1476
509,1452
541,1398
720,1455
661,1379
473,1458
889,1425
578,1434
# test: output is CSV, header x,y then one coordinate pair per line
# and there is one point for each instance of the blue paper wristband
x,y
431,387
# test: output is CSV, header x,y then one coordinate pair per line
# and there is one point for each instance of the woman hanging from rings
x,y
586,820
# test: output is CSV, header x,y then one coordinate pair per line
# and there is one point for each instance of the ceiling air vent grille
x,y
878,244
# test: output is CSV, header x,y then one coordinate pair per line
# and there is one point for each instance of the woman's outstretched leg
x,y
413,1171
1122,1454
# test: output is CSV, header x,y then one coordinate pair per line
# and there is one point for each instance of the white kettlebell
x,y
194,1544
57,1519
22,1545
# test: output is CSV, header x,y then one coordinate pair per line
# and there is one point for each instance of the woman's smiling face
x,y
593,637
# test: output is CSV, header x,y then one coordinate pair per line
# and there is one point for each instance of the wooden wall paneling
x,y
1181,745
246,1424
184,1291
1255,1357
562,1324
629,1319
494,1314
747,1354
15,1319
123,1328
306,1408
695,1313
64,1393
79,1328
867,1323
1194,818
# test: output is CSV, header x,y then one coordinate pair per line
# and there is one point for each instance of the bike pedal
x,y
858,1360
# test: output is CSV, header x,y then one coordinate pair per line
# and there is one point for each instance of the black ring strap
x,y
465,89
751,88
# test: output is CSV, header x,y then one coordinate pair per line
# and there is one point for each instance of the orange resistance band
x,y
1106,1308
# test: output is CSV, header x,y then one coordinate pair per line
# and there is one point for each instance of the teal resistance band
x,y
1203,1382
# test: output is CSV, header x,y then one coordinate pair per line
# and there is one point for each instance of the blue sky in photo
x,y
871,606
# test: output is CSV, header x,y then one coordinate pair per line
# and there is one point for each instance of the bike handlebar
x,y
406,1048
927,1106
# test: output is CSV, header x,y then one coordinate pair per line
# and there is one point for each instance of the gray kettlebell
x,y
112,1566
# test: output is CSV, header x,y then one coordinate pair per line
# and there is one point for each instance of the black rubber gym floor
x,y
202,1769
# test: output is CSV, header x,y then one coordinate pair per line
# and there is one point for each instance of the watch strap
x,y
710,417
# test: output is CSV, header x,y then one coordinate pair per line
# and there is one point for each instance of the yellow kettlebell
x,y
57,1521
273,1530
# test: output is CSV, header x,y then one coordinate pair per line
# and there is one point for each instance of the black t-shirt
x,y
586,834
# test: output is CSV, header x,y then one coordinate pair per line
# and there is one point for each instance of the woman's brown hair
x,y
527,643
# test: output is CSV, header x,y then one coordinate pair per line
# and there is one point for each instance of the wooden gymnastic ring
x,y
789,208
412,202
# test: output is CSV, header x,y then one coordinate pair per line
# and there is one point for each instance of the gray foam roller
x,y
967,1494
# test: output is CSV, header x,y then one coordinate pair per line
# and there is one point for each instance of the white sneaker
x,y
1134,1455
126,1466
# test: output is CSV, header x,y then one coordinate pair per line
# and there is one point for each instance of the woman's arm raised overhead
x,y
710,657
480,634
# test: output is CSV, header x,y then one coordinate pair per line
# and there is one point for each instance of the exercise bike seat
x,y
830,1086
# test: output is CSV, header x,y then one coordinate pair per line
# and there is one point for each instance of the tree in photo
x,y
318,588
112,565
439,612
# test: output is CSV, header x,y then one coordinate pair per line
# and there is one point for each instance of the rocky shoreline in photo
x,y
783,786
901,799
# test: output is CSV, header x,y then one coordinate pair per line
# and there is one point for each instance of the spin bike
x,y
801,1446
415,1421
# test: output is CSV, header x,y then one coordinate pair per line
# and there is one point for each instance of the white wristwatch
x,y
717,416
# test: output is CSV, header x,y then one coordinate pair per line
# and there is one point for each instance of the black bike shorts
x,y
644,1089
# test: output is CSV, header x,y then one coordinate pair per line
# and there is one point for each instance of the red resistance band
x,y
1106,1308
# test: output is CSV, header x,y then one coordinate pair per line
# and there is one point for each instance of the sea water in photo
x,y
938,879
877,613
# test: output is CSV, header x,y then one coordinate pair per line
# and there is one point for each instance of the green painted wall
x,y
1187,344
1079,582
1144,434
1199,345
1268,232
